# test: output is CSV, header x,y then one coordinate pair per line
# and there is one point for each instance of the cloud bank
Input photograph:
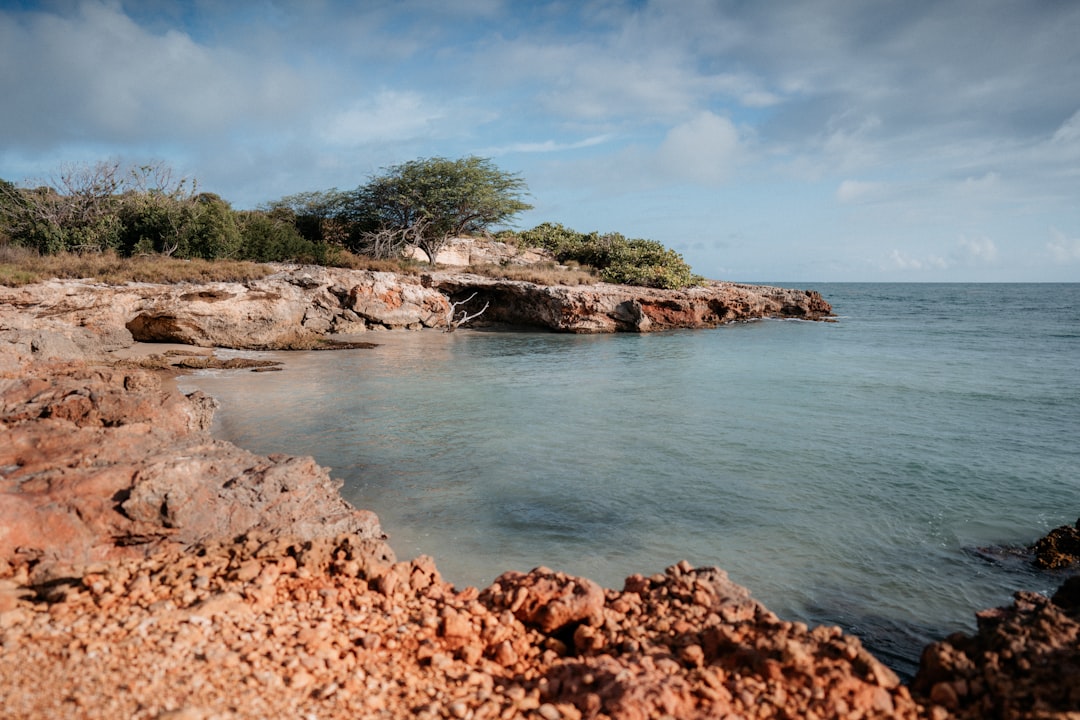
x,y
823,140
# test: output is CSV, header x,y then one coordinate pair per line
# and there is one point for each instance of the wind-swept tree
x,y
427,202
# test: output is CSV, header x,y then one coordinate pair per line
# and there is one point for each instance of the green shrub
x,y
626,262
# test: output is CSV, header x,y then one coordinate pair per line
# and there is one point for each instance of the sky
x,y
810,140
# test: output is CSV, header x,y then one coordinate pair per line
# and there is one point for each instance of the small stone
x,y
300,679
549,712
943,694
692,655
505,654
456,626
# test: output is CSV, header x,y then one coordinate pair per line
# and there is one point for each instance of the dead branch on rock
x,y
452,324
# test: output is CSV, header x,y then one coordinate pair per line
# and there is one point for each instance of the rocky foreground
x,y
150,571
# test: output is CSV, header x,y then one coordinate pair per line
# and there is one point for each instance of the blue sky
x,y
822,140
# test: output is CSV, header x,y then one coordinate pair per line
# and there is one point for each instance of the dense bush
x,y
200,227
272,237
618,260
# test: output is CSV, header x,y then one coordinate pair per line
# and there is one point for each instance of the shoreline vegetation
x,y
408,214
148,570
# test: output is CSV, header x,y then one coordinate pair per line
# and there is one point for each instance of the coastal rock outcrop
x,y
604,308
303,307
148,570
99,463
1022,662
1059,549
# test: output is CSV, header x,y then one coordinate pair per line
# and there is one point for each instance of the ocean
x,y
871,472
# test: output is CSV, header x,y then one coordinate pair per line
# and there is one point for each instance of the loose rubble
x,y
334,628
1023,662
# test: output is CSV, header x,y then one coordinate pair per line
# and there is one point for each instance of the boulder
x,y
1059,549
1022,662
396,301
102,463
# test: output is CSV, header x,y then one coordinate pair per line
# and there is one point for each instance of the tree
x,y
321,216
427,202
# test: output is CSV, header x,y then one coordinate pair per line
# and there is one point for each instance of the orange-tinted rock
x,y
604,308
1059,549
1023,661
546,599
100,463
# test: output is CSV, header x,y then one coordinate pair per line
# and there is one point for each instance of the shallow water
x,y
843,471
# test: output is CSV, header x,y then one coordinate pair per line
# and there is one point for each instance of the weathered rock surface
x,y
99,463
604,308
300,307
333,628
464,251
1023,662
1059,549
150,571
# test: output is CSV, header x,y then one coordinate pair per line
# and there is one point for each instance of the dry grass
x,y
539,274
21,266
345,259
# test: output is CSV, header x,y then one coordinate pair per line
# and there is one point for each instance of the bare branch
x,y
453,324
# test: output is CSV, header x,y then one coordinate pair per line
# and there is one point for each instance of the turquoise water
x,y
845,472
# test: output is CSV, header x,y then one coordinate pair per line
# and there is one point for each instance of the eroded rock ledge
x,y
299,307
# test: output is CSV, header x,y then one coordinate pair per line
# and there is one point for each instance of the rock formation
x,y
100,463
1023,662
604,308
148,570
277,627
1059,549
301,307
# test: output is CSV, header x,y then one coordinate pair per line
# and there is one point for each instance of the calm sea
x,y
847,473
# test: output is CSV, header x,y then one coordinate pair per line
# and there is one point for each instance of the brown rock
x,y
546,599
1023,661
603,308
101,463
1059,549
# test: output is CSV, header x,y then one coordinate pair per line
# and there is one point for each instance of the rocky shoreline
x,y
150,571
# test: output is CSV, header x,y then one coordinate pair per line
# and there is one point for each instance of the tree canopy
x,y
429,201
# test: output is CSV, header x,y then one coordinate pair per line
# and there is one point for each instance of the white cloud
x,y
854,191
1069,131
989,181
547,146
902,261
1063,249
96,75
703,149
389,115
980,249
